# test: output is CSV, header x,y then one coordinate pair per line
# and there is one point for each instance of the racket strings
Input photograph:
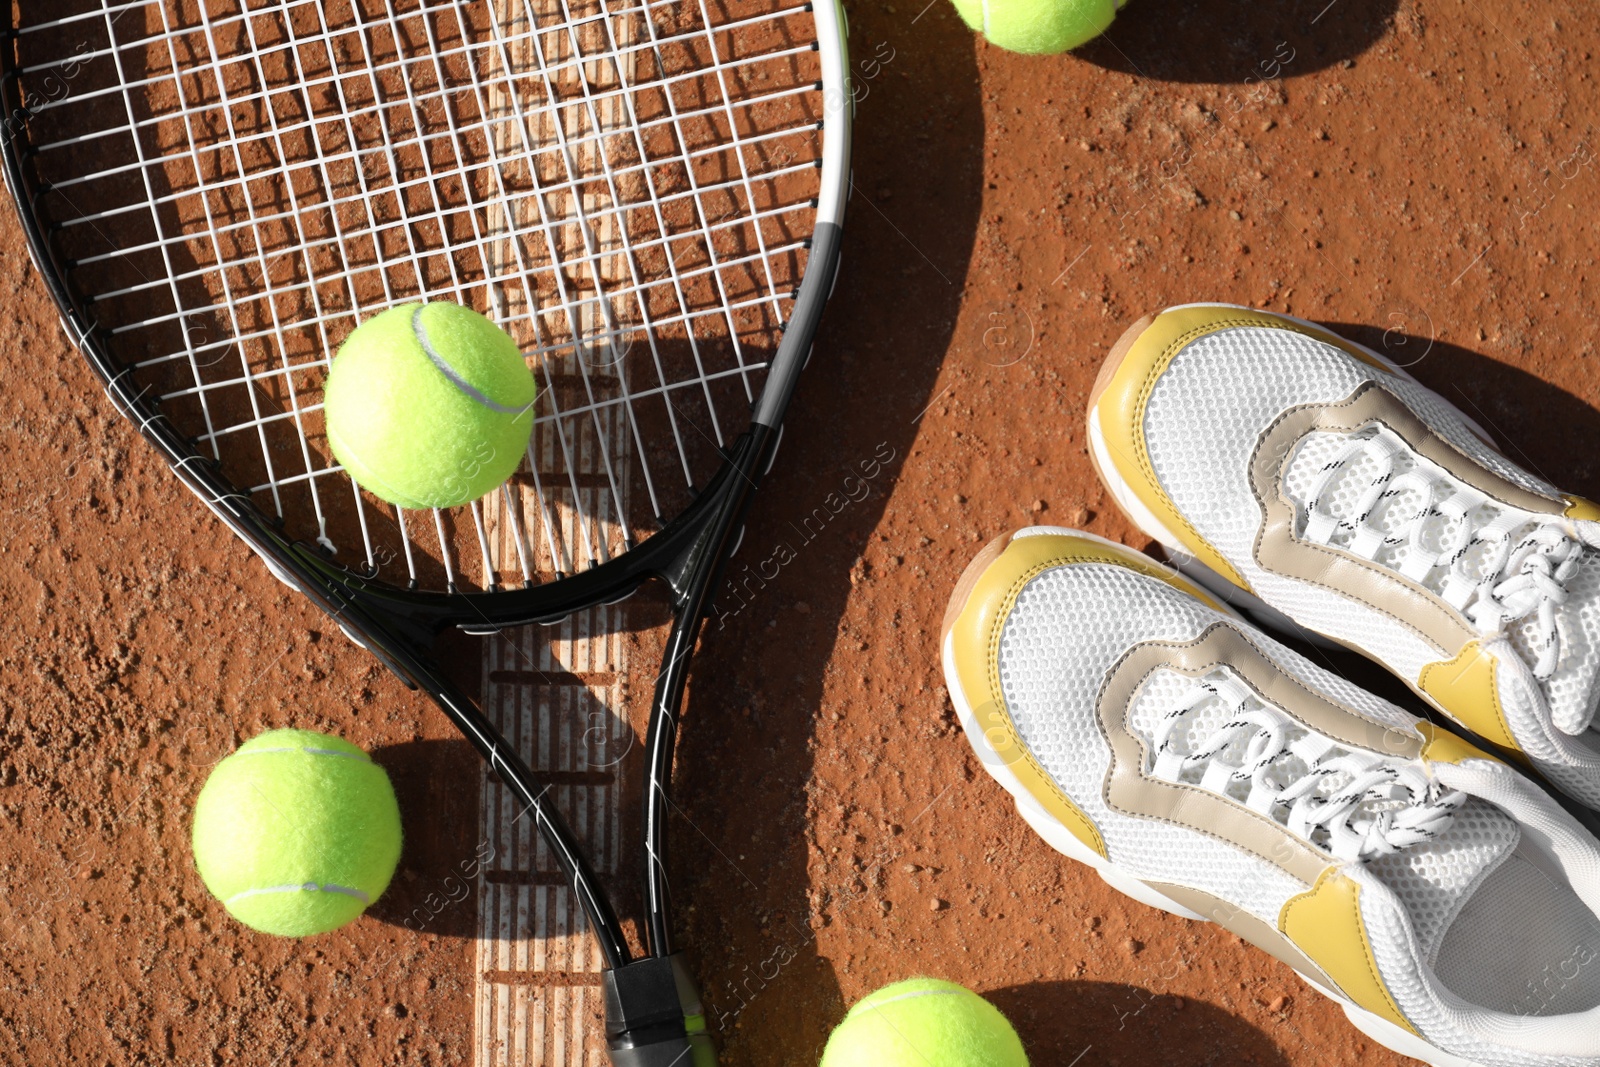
x,y
625,186
112,13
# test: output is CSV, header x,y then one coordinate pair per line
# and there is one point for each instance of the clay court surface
x,y
1417,174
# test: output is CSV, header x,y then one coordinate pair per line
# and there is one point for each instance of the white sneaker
x,y
1445,901
1301,476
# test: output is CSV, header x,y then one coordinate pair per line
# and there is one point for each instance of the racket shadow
x,y
639,402
435,888
749,871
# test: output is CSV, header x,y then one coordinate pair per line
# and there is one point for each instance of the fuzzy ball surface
x,y
1039,27
297,832
924,1021
429,405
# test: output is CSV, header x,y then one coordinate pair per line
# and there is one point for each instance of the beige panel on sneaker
x,y
1130,790
983,599
1278,550
1462,680
1125,384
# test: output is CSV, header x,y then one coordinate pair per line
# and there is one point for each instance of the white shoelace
x,y
1521,568
1354,804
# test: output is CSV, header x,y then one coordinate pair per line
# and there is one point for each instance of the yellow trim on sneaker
x,y
1441,746
1123,391
1466,688
1581,509
983,600
1325,924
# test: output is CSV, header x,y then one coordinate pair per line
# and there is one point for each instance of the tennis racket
x,y
647,194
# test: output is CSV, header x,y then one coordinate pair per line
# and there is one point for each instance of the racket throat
x,y
694,577
697,570
653,1012
654,1017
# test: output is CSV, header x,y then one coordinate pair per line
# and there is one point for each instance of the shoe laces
x,y
1494,565
1356,805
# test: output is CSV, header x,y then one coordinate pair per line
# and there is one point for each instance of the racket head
x,y
645,195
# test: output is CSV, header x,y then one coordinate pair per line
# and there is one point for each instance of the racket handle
x,y
654,1017
674,1053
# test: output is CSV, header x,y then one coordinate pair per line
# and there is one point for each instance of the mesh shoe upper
x,y
1398,513
1222,769
1366,493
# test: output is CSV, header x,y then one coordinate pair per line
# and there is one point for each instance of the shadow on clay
x,y
1086,1024
1238,42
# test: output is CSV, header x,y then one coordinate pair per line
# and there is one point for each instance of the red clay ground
x,y
1416,174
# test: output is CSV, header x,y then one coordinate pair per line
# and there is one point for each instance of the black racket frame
x,y
653,1012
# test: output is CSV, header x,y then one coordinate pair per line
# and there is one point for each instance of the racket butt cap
x,y
654,1017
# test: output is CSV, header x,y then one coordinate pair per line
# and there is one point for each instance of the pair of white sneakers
x,y
1146,729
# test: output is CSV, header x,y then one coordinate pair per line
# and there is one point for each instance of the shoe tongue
x,y
1434,881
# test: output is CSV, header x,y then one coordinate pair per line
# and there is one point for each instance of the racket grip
x,y
668,1053
654,1017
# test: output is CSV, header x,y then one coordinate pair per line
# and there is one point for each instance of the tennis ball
x,y
429,405
924,1021
296,832
1039,27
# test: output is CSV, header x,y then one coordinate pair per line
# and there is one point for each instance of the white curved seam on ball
x,y
363,757
919,993
467,388
299,887
986,18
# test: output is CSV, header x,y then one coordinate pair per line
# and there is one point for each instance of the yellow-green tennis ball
x,y
924,1021
297,832
1039,27
429,405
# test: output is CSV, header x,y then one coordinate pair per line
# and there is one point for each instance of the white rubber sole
x,y
1064,841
